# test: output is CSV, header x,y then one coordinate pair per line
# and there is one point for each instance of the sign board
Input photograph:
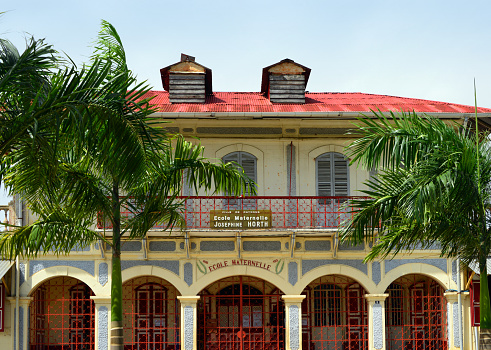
x,y
240,219
205,266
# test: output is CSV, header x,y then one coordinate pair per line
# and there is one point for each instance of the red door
x,y
150,320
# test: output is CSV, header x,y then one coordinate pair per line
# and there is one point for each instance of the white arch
x,y
343,270
313,154
155,271
419,269
60,271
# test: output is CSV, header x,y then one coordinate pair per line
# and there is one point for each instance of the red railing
x,y
286,212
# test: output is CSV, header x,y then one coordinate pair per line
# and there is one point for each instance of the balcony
x,y
290,213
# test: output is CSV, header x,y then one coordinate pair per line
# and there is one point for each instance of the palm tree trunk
x,y
116,279
485,308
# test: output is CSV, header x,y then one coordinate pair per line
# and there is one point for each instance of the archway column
x,y
23,323
189,321
293,321
102,306
454,331
376,321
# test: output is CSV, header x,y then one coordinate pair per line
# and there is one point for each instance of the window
x,y
332,175
246,160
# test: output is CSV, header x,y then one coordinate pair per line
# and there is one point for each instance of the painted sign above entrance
x,y
240,219
205,266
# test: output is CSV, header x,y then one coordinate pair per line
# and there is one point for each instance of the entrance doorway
x,y
62,316
150,314
241,313
415,314
334,315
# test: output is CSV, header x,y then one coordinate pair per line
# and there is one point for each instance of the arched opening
x,y
241,313
150,314
415,314
334,314
62,315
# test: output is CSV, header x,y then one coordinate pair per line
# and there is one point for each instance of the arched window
x,y
332,173
246,160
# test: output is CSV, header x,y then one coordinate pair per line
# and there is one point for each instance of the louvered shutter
x,y
231,157
324,176
332,175
246,160
340,174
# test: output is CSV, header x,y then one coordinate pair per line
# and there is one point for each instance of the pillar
x,y
453,326
24,303
376,321
102,306
293,321
189,321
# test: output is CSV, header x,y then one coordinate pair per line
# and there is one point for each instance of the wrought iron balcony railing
x,y
302,212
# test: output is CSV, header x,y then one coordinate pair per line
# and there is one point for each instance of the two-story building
x,y
251,273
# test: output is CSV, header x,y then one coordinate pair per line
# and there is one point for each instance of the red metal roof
x,y
314,102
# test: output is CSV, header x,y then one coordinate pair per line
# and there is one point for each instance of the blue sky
x,y
421,49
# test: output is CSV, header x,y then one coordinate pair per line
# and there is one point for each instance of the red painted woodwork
x,y
416,316
334,315
287,212
241,313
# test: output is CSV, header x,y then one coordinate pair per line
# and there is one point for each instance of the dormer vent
x,y
285,82
186,81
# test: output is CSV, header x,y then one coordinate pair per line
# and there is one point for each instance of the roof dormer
x,y
186,81
285,82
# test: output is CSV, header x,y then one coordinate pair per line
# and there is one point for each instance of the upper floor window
x,y
246,160
332,173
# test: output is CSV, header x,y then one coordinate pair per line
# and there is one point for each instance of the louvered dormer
x,y
285,82
186,81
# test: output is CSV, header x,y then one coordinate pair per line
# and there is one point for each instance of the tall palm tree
x,y
111,159
434,187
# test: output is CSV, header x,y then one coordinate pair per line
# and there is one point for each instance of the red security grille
x,y
415,315
241,313
287,212
334,315
150,314
62,316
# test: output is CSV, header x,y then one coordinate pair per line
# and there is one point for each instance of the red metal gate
x,y
241,313
416,317
62,316
334,315
150,314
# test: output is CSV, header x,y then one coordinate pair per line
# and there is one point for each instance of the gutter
x,y
17,297
310,115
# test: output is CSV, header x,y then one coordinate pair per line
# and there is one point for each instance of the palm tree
x,y
111,159
434,188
